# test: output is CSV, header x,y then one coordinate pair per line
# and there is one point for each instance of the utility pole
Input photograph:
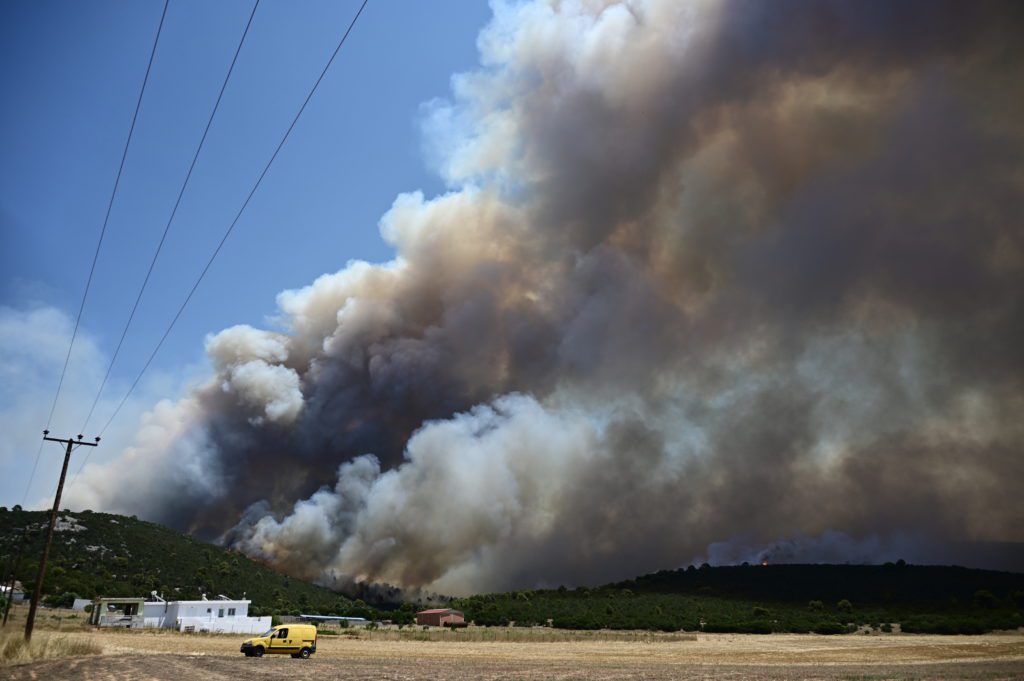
x,y
14,574
37,592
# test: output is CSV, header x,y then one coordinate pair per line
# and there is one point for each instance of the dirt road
x,y
182,668
138,656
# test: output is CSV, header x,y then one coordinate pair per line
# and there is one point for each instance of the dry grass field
x,y
532,654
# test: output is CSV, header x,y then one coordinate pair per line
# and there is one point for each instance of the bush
x,y
750,627
829,628
944,625
64,600
844,606
983,598
815,605
886,627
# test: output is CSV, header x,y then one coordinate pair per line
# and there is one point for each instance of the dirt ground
x,y
175,657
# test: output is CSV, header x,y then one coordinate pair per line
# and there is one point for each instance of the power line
x,y
227,233
24,497
170,220
103,231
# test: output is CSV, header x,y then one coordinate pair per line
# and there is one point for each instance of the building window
x,y
231,612
220,612
209,610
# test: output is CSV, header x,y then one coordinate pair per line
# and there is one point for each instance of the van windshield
x,y
268,632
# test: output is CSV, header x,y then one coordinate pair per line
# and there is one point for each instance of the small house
x,y
224,616
440,617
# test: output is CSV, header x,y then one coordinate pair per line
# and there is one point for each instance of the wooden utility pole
x,y
37,592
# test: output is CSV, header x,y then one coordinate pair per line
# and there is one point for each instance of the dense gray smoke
x,y
705,271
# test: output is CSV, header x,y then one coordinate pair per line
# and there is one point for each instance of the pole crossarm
x,y
37,590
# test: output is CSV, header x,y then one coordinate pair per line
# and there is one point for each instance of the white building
x,y
17,590
223,616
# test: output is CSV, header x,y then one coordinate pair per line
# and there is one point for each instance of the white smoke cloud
x,y
33,346
704,270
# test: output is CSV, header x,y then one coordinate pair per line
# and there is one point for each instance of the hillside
x,y
774,598
102,554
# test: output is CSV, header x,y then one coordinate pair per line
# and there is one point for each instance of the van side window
x,y
282,633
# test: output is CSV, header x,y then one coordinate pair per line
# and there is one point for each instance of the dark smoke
x,y
705,270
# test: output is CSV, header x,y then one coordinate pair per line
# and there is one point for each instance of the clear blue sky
x,y
70,73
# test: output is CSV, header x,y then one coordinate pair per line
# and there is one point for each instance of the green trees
x,y
983,598
64,600
118,556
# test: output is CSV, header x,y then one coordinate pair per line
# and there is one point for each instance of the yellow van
x,y
297,640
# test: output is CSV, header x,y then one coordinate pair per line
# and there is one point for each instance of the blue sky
x,y
70,74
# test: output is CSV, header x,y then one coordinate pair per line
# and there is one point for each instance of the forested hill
x,y
96,554
102,554
892,583
775,598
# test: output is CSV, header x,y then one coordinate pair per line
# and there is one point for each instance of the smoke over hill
x,y
704,271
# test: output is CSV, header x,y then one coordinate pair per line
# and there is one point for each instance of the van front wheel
x,y
257,651
304,653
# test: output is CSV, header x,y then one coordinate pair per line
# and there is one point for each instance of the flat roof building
x,y
440,617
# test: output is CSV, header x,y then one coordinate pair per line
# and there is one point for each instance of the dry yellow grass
x,y
44,646
590,647
527,654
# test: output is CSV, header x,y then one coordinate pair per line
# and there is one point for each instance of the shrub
x,y
829,628
64,600
753,628
886,627
815,605
844,606
983,598
723,627
945,625
761,613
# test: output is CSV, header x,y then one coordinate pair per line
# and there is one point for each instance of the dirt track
x,y
182,668
142,656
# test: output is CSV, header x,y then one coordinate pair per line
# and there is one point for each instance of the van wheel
x,y
257,651
304,653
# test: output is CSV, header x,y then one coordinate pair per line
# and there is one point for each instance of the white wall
x,y
226,625
181,614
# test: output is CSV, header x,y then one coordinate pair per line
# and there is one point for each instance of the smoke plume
x,y
704,270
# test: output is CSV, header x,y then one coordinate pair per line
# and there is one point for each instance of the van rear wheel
x,y
304,653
